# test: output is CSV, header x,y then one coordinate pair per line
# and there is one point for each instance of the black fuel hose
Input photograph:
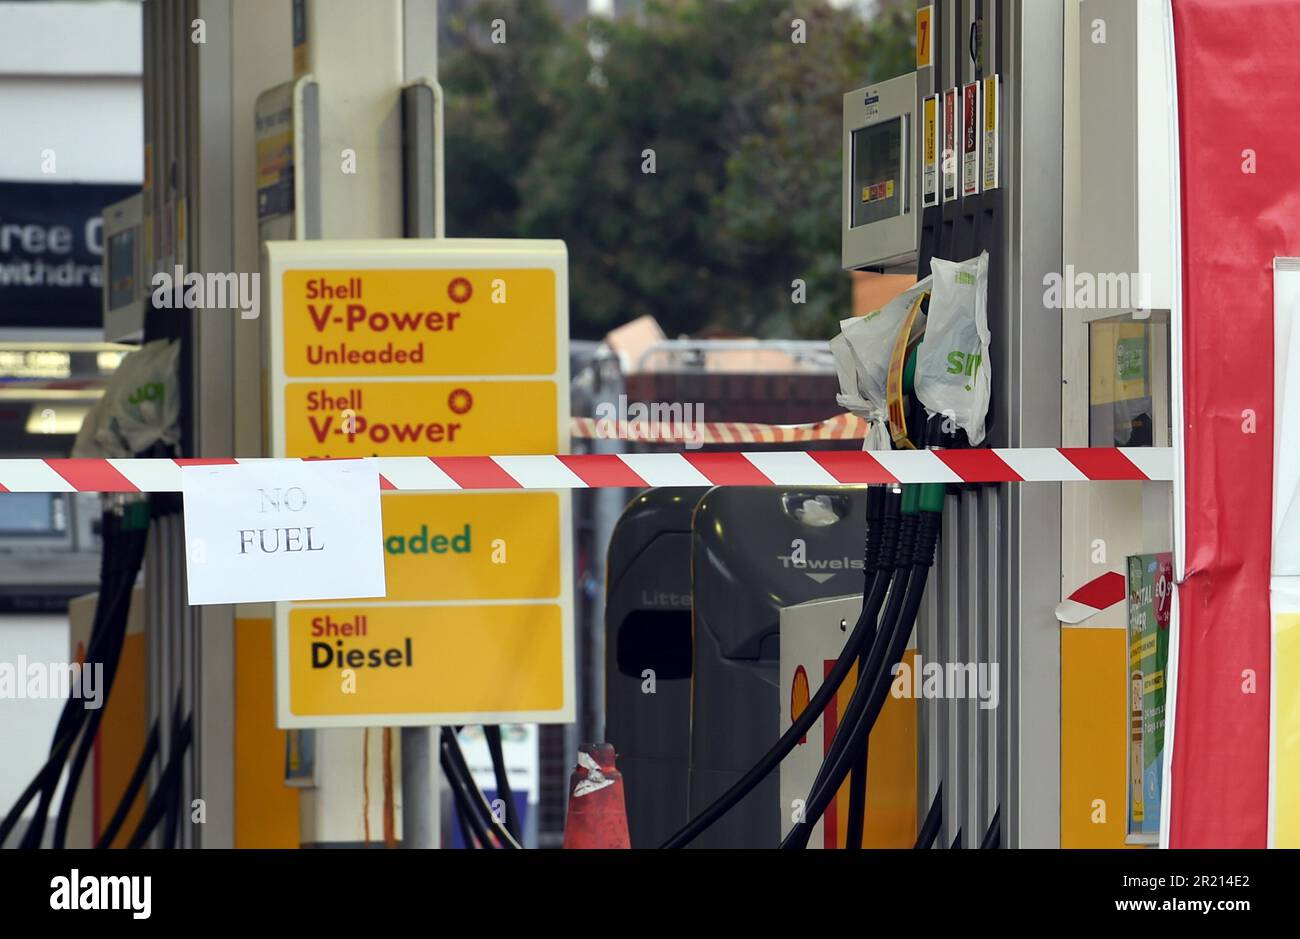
x,y
120,614
477,805
857,726
839,760
462,821
464,801
119,563
493,734
933,822
858,780
72,717
161,800
858,791
132,789
901,565
172,808
993,837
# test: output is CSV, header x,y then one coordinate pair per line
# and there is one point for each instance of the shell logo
x,y
460,401
799,697
460,290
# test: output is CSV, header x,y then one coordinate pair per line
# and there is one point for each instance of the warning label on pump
x,y
419,322
353,419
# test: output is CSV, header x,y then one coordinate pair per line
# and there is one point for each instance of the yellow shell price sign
x,y
442,418
429,348
477,546
387,664
419,322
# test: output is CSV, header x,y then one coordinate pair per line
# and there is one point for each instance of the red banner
x,y
1236,71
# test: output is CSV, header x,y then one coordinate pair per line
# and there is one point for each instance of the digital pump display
x,y
878,186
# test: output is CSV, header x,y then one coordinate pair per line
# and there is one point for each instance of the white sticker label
x,y
930,151
970,148
951,135
990,135
256,532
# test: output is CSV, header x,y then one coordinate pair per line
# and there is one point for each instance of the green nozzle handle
x,y
931,497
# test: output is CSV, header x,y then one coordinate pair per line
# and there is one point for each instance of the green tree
x,y
555,137
500,98
780,210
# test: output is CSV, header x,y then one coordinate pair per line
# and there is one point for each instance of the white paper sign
x,y
283,530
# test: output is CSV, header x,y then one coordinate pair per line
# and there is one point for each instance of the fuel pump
x,y
918,368
934,380
962,218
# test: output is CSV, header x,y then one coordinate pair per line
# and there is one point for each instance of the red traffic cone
x,y
597,814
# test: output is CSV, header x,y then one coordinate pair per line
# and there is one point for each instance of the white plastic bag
x,y
952,362
851,396
87,445
97,436
141,405
149,408
861,353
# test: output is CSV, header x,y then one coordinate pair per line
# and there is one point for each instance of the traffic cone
x,y
597,814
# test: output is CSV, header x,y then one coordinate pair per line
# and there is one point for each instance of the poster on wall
x,y
275,168
1150,591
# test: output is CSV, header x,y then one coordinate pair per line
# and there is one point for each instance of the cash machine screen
x,y
877,164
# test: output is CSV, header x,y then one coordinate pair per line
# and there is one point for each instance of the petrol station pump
x,y
1032,762
988,173
984,169
997,90
964,158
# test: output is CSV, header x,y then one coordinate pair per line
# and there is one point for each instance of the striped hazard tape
x,y
1100,593
640,470
839,427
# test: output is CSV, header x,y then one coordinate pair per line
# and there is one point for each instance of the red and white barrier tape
x,y
839,427
1100,593
640,470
